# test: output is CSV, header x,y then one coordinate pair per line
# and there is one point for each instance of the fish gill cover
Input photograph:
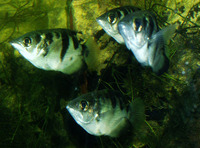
x,y
32,101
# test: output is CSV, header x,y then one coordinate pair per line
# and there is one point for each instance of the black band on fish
x,y
113,101
37,38
151,26
49,38
75,41
119,14
125,11
65,45
57,35
46,50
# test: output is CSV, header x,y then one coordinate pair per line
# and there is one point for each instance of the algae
x,y
32,101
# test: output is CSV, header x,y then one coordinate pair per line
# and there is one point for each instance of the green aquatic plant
x,y
182,117
15,14
32,104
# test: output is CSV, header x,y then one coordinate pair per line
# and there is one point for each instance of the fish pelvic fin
x,y
120,128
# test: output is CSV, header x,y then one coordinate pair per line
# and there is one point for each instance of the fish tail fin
x,y
137,113
92,53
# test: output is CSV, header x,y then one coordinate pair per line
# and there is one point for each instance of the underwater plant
x,y
32,101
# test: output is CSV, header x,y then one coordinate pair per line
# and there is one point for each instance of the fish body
x,y
103,112
146,41
53,49
109,21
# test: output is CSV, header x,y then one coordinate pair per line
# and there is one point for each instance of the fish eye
x,y
112,18
84,105
27,41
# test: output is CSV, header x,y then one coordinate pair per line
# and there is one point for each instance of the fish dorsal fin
x,y
164,34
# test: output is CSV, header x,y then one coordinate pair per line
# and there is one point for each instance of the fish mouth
x,y
75,114
105,25
12,43
78,117
15,44
110,30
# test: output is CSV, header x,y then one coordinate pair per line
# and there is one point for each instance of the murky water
x,y
32,101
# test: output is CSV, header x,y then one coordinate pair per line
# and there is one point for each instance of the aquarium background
x,y
32,101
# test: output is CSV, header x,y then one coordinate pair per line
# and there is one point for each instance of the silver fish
x,y
109,21
105,112
53,49
143,37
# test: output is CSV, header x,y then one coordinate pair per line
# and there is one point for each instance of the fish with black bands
x,y
146,41
139,31
106,112
52,49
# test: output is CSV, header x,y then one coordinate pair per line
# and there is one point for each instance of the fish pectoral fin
x,y
119,127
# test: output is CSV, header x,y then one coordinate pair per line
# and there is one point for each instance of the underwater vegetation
x,y
33,101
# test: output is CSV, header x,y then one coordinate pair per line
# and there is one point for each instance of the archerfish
x,y
106,112
53,49
109,21
146,41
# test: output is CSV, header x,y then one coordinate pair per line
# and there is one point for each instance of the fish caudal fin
x,y
92,53
137,114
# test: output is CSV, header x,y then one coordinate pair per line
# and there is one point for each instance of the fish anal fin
x,y
137,113
120,127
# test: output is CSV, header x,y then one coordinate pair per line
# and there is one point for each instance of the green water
x,y
32,101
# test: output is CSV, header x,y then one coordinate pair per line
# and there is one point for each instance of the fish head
x,y
137,28
82,109
27,45
109,21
